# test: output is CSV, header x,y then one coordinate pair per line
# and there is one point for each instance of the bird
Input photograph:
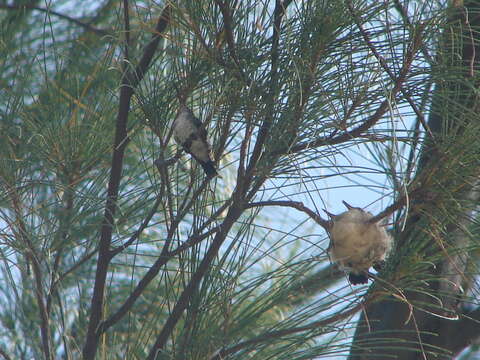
x,y
191,135
356,243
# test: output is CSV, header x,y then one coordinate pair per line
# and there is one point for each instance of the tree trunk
x,y
417,320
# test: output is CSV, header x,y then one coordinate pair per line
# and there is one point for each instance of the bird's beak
x,y
347,205
332,216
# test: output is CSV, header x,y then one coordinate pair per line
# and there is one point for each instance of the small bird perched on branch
x,y
357,244
190,133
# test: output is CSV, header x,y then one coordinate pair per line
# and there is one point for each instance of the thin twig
x,y
192,241
325,223
4,354
163,259
142,227
269,336
75,266
401,202
278,13
307,79
369,123
228,28
404,13
414,46
67,199
411,162
184,299
86,26
237,72
167,162
296,205
39,294
244,146
31,255
152,46
136,293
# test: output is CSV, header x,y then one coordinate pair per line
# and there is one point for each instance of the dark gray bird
x,y
190,133
357,244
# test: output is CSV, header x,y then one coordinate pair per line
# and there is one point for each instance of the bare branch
x,y
296,205
75,266
126,16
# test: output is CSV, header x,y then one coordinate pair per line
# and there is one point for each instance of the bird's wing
x,y
202,132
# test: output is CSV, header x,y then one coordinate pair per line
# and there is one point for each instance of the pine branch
x,y
269,337
86,26
415,44
278,13
33,257
228,28
143,226
129,82
67,204
370,122
4,354
162,260
184,299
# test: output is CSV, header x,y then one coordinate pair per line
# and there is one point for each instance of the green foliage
x,y
304,101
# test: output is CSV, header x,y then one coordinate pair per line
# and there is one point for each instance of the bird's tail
x,y
209,168
356,279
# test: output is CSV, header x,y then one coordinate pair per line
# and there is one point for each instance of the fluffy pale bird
x,y
190,133
357,244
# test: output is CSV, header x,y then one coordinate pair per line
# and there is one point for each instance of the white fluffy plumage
x,y
357,244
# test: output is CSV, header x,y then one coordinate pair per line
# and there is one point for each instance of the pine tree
x,y
115,245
